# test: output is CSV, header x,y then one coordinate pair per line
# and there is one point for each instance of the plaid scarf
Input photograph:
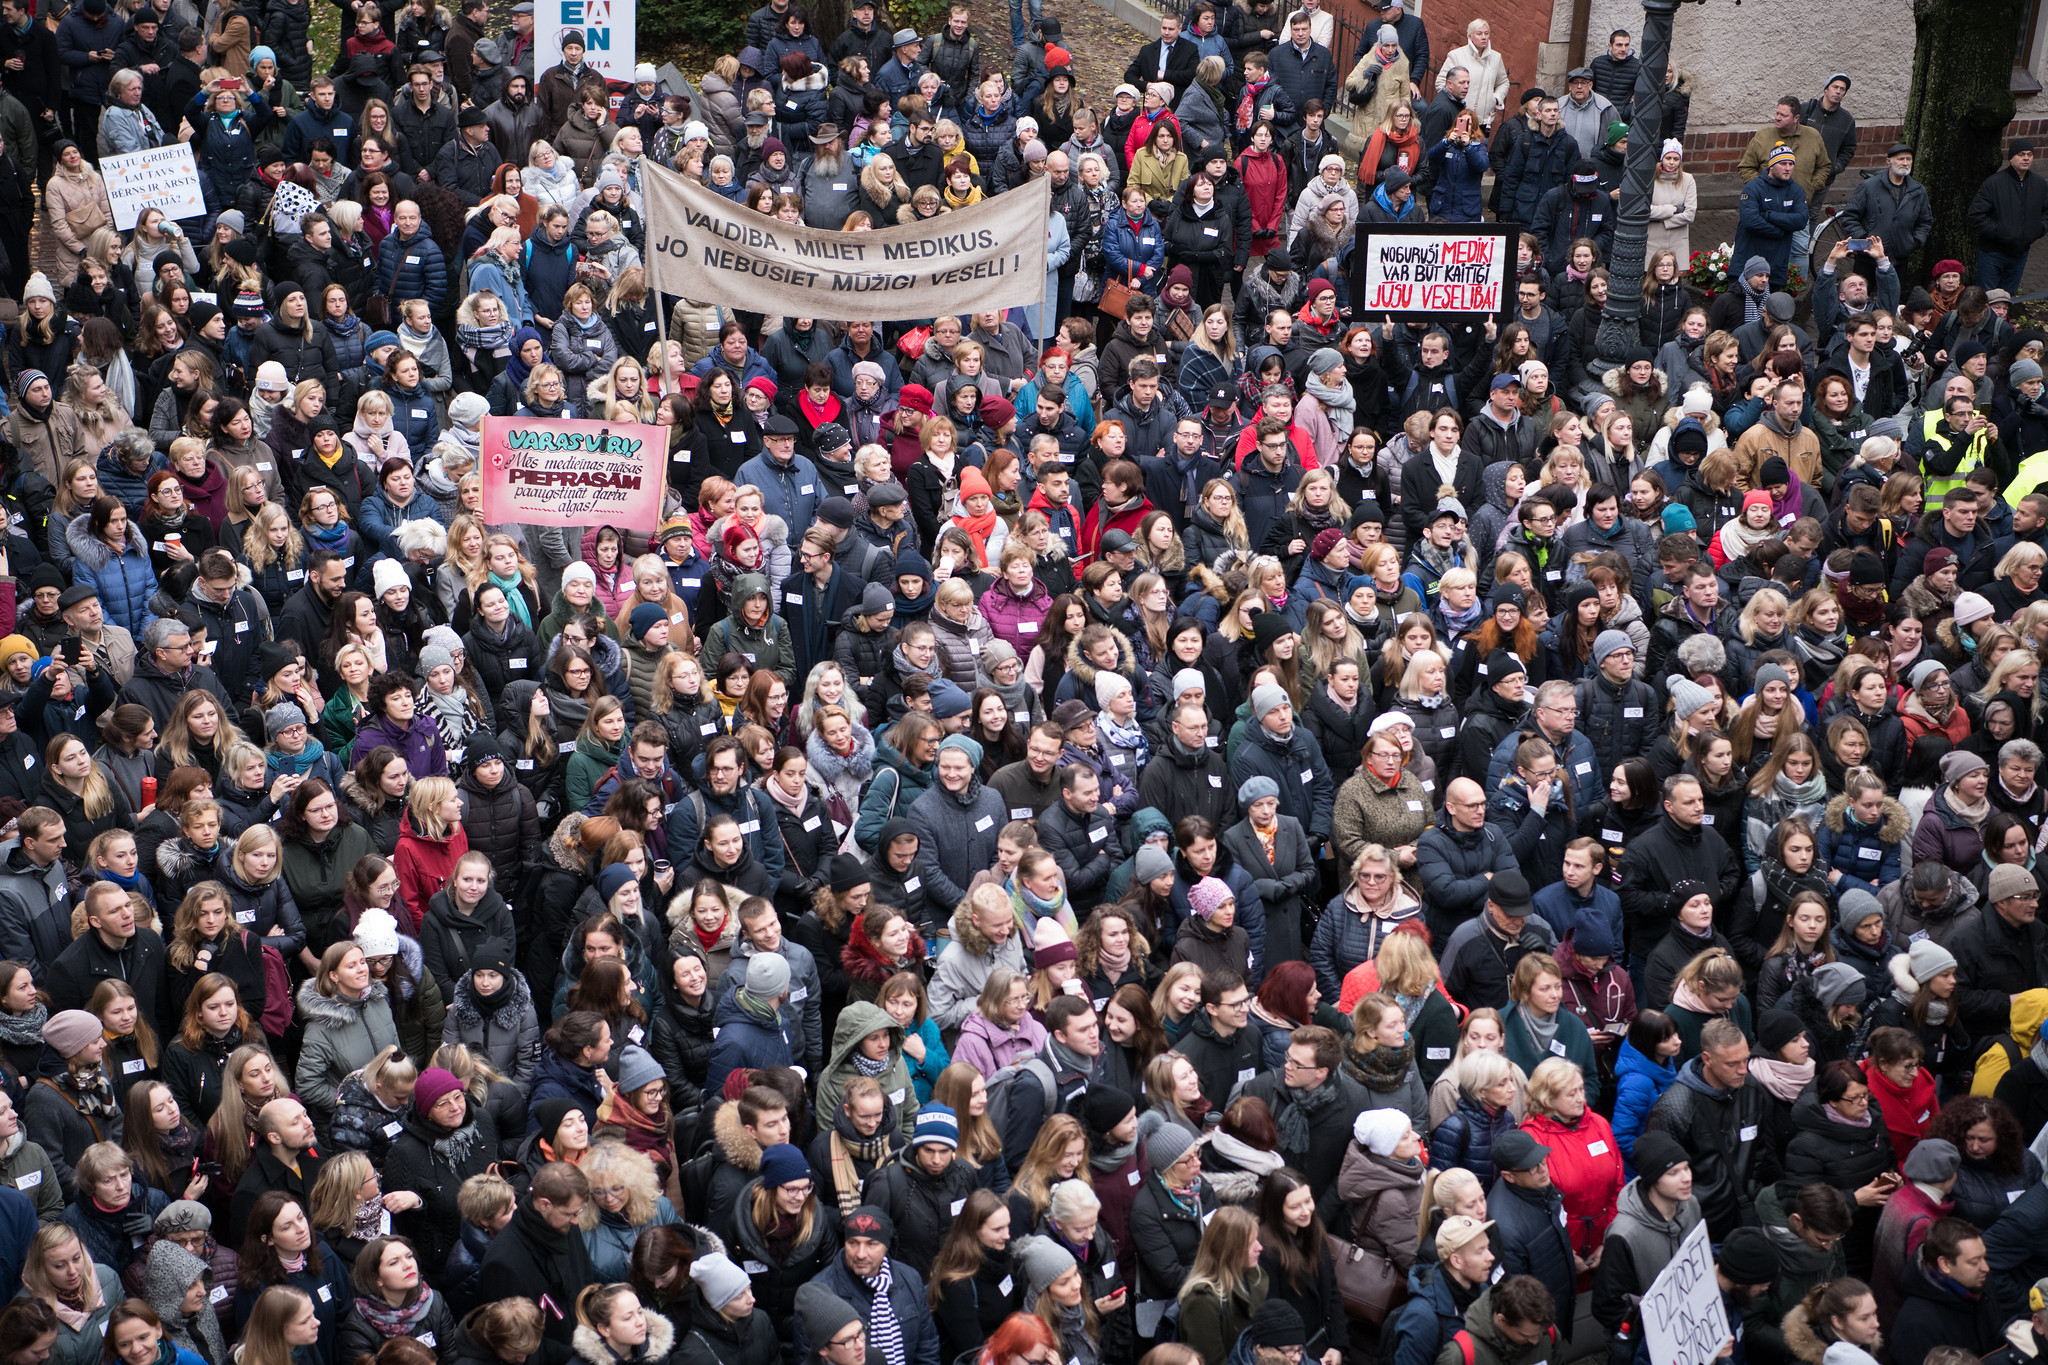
x,y
885,1333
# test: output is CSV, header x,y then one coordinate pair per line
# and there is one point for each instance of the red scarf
x,y
710,940
819,414
978,530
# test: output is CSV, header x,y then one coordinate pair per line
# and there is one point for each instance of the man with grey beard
x,y
828,183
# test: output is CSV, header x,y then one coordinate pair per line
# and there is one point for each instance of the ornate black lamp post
x,y
1618,330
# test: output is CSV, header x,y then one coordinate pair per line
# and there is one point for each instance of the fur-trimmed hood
x,y
830,767
1126,661
353,790
86,546
864,961
1804,1345
462,1009
968,934
681,933
333,1011
661,1339
733,1143
1892,829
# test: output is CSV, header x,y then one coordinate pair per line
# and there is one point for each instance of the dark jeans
x,y
1998,271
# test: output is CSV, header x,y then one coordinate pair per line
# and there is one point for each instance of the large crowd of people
x,y
1174,824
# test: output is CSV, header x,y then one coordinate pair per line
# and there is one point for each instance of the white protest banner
x,y
985,259
1432,269
164,178
1684,1320
609,42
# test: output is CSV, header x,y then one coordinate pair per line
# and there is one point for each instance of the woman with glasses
x,y
1839,1138
625,1199
786,1236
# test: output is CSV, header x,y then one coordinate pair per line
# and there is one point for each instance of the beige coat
x,y
695,327
73,206
1489,94
50,447
1392,88
1674,203
1800,452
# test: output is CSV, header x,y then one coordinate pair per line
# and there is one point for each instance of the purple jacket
x,y
420,743
1015,619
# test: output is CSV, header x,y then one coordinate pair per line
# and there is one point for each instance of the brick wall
x,y
1711,153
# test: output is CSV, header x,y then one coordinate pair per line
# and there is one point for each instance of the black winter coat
x,y
450,938
1665,855
1167,1236
530,1259
1996,961
1936,1316
1719,1131
503,823
776,1283
1839,1154
920,1205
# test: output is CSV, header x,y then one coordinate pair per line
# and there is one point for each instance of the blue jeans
x,y
1020,31
1998,271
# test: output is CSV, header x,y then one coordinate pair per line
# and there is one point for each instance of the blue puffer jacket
x,y
379,520
1458,196
1869,858
412,268
1466,1139
987,134
555,1079
743,1040
416,417
1124,249
124,581
1638,1082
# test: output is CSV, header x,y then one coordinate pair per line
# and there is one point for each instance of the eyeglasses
x,y
1241,1002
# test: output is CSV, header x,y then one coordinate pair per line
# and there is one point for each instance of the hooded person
x,y
853,1055
168,1277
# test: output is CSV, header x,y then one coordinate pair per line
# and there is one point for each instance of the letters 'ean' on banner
x,y
1684,1320
164,178
1409,273
608,34
986,258
547,473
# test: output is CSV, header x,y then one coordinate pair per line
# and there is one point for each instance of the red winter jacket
x,y
1265,186
1908,1113
1585,1165
424,866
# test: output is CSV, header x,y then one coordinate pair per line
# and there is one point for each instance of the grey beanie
x,y
1608,641
1687,696
1770,673
1265,698
184,1215
1924,670
1042,1260
1857,905
281,718
1838,983
1932,1160
433,657
1153,862
1189,680
637,1067
1256,788
2022,371
824,1314
1324,360
1755,265
1388,34
1169,1142
876,600
718,1279
767,977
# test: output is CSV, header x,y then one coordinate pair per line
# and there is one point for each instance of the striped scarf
x,y
884,1332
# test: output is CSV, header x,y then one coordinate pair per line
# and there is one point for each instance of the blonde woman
x,y
1482,1032
1225,1286
284,1327
464,569
58,1273
620,394
625,1200
80,791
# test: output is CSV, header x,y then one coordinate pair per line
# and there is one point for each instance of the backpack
x,y
694,1179
277,990
1001,1090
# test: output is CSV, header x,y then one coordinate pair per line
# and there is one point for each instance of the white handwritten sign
x,y
164,178
1684,1321
1428,270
